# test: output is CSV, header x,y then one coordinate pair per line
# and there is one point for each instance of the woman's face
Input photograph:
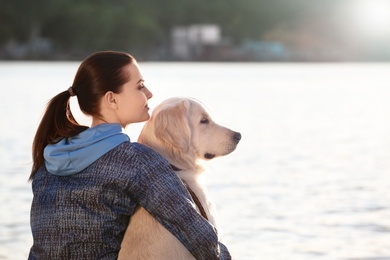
x,y
133,99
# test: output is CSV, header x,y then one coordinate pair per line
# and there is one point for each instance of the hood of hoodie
x,y
73,154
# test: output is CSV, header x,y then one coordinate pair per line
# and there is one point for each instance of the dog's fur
x,y
181,130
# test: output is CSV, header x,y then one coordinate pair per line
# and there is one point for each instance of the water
x,y
309,180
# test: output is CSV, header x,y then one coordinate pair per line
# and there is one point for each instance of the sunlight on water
x,y
309,180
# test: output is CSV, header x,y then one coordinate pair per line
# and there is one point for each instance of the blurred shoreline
x,y
257,31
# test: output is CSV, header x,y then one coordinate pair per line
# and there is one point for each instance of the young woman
x,y
87,181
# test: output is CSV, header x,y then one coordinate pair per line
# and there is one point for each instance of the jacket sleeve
x,y
163,195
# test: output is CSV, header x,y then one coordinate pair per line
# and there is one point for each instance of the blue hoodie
x,y
73,154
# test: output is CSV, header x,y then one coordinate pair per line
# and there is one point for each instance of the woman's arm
x,y
163,195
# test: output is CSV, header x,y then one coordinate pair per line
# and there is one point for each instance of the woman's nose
x,y
149,94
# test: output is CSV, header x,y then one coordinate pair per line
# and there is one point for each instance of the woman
x,y
87,181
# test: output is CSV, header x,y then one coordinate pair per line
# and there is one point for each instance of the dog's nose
x,y
237,137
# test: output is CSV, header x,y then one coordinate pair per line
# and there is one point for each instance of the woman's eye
x,y
204,121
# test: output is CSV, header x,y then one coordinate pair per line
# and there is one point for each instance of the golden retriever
x,y
181,130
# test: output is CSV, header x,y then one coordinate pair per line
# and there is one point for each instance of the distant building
x,y
195,42
264,50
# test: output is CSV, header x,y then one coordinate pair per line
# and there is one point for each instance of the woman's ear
x,y
110,100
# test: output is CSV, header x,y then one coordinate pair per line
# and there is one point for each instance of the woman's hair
x,y
98,73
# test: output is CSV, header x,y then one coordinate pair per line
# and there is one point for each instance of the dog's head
x,y
182,131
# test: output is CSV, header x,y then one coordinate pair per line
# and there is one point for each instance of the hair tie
x,y
71,91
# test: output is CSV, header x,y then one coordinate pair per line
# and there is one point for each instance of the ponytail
x,y
57,123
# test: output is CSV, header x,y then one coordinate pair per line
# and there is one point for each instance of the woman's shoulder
x,y
137,148
139,151
137,156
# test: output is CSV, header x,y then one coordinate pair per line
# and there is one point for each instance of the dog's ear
x,y
172,127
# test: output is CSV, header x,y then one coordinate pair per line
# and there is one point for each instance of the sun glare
x,y
372,16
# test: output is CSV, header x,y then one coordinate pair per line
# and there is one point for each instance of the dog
x,y
182,131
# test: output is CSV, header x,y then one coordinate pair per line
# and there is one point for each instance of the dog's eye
x,y
204,121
